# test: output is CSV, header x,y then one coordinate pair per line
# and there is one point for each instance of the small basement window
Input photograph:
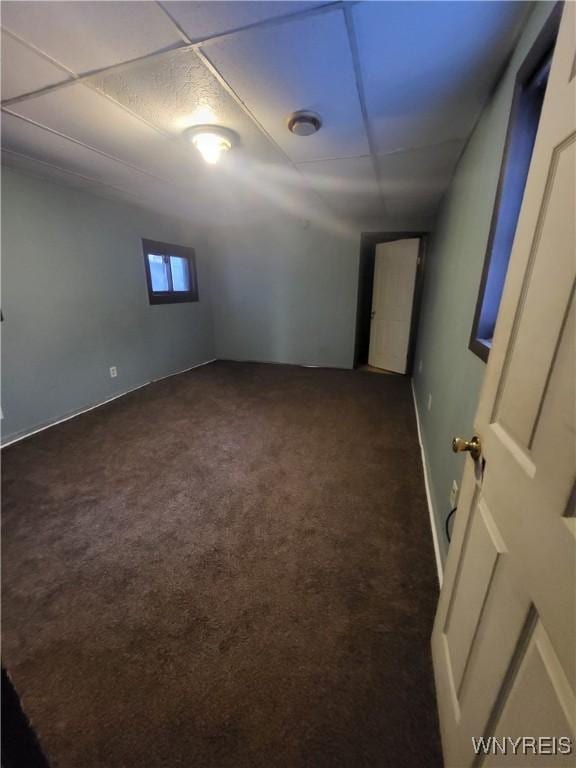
x,y
170,272
531,84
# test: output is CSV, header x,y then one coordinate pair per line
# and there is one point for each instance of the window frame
x,y
541,50
156,248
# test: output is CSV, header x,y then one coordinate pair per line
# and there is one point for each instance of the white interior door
x,y
392,298
504,640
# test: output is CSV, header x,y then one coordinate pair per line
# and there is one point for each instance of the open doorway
x,y
367,262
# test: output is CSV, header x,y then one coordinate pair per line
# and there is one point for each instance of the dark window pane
x,y
170,272
514,183
158,273
520,140
180,273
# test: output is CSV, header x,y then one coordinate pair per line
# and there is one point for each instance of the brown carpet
x,y
232,567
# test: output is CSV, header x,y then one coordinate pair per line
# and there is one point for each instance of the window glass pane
x,y
513,175
514,182
180,273
158,272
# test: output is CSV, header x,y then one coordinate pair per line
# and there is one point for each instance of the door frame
x,y
501,616
368,243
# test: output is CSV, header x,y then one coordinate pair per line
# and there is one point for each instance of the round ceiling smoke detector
x,y
304,123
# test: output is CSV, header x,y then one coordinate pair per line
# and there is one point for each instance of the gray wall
x,y
282,272
286,278
286,292
450,372
75,302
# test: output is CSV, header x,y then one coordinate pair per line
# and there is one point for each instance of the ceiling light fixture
x,y
211,141
304,123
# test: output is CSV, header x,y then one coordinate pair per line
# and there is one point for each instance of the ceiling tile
x,y
86,36
24,70
423,171
39,144
428,67
151,194
201,20
176,90
415,205
45,171
83,114
299,64
348,186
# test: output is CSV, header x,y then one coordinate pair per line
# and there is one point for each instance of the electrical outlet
x,y
453,494
113,372
420,367
429,406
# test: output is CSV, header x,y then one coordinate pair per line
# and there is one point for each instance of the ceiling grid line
x,y
39,52
394,122
335,157
392,152
204,58
80,143
177,26
349,21
75,78
196,47
189,45
89,148
503,67
334,10
68,172
224,83
263,24
197,51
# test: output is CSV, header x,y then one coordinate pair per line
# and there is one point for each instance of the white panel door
x,y
504,640
392,299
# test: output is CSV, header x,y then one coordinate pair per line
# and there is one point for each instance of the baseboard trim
x,y
73,415
279,362
438,557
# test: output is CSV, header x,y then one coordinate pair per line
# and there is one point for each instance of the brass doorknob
x,y
473,446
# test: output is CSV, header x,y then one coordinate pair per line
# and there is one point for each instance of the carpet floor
x,y
232,567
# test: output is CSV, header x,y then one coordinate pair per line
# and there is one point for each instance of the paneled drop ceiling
x,y
97,95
